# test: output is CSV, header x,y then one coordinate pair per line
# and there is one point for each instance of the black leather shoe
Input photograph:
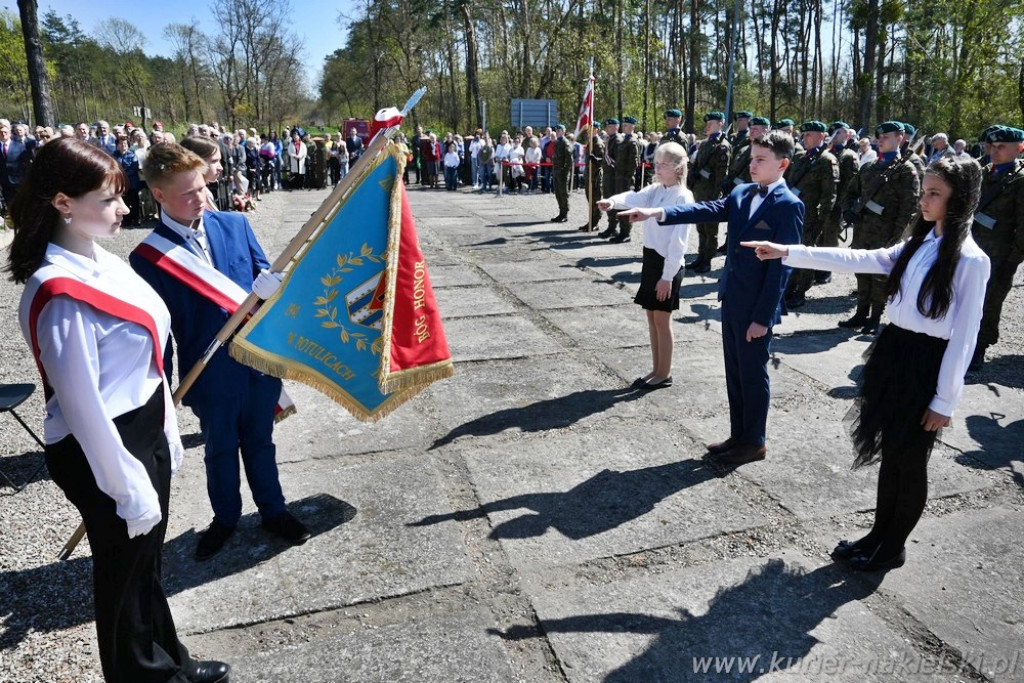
x,y
619,239
846,550
694,265
722,249
742,453
702,267
796,301
209,672
721,446
871,326
605,234
651,386
560,218
863,563
212,540
584,228
287,527
638,382
853,323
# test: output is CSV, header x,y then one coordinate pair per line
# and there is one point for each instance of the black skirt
x,y
650,275
897,385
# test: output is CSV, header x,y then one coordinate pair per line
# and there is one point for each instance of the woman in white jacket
x,y
297,153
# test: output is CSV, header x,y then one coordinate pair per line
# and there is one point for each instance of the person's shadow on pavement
x,y
605,501
761,625
57,596
1000,441
552,413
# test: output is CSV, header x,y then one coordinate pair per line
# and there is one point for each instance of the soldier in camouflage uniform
x,y
629,154
908,153
787,126
561,173
740,137
999,227
849,167
594,179
708,168
739,166
673,132
883,199
813,178
611,128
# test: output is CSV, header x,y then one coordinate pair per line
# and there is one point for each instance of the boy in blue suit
x,y
235,404
750,290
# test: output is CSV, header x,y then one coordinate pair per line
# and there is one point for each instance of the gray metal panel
x,y
534,113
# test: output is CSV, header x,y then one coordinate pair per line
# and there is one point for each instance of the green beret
x,y
559,126
744,115
1005,134
984,134
909,129
889,127
611,121
629,119
673,114
760,121
836,125
785,123
714,116
813,127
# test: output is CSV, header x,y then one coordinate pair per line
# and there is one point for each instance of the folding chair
x,y
12,396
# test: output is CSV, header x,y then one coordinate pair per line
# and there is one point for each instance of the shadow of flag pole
x,y
337,196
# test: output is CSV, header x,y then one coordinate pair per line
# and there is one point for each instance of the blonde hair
x,y
166,160
675,154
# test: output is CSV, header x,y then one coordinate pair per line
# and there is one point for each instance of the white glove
x,y
266,284
143,525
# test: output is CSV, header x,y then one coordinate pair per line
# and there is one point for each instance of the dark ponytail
x,y
964,177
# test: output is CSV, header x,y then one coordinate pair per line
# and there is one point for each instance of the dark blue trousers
x,y
242,423
746,375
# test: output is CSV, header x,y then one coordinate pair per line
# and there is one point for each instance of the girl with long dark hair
x,y
914,375
97,332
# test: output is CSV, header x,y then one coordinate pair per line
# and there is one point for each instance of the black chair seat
x,y
13,395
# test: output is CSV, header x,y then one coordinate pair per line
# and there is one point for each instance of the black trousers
x,y
137,639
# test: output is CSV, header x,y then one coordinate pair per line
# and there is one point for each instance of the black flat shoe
x,y
651,386
209,672
863,563
287,527
846,549
212,540
619,239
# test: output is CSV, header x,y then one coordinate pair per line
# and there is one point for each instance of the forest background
x,y
950,65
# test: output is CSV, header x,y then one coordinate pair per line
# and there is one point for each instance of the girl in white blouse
x,y
97,332
914,376
664,249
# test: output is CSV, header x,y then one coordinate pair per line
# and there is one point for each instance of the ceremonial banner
x,y
586,117
355,316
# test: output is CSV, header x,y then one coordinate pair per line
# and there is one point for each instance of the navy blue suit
x,y
750,291
235,404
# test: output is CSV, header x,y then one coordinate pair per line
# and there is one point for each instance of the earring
x,y
67,220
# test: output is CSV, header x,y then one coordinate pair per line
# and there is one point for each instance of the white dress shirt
x,y
668,240
756,201
100,367
959,325
195,238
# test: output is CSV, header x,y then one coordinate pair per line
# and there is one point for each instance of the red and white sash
x,y
185,266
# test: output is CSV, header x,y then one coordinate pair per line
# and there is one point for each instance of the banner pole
x,y
280,263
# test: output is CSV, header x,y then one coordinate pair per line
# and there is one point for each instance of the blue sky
x,y
316,23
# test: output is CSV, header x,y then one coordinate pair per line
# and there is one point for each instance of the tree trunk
x,y
867,75
41,103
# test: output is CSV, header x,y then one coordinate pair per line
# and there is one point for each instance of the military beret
x,y
629,119
813,127
784,123
673,114
909,129
889,127
984,134
714,116
836,125
559,126
1004,134
743,115
760,121
611,121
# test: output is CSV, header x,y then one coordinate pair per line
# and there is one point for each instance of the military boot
x,y
859,319
871,326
